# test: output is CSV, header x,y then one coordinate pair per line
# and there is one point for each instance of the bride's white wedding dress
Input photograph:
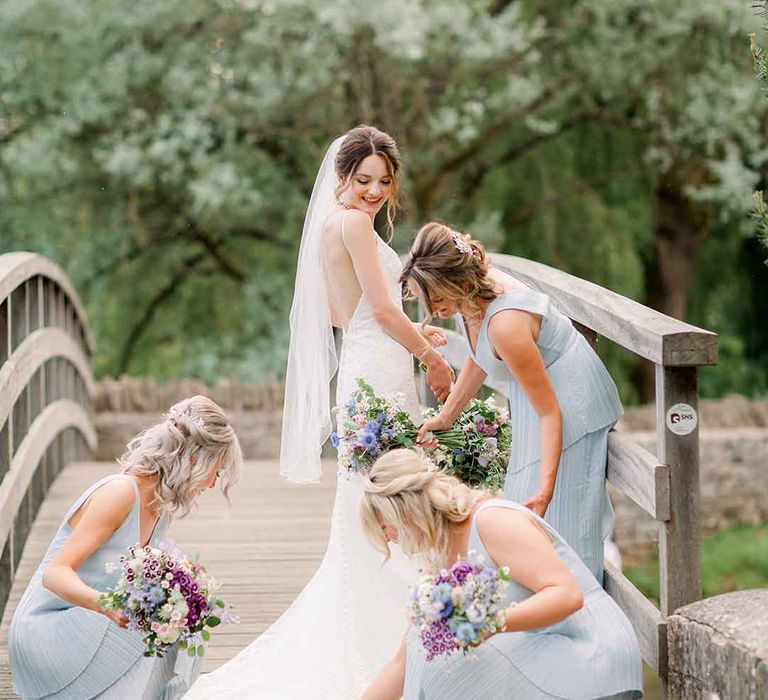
x,y
351,616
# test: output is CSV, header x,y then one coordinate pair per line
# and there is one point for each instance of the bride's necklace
x,y
344,204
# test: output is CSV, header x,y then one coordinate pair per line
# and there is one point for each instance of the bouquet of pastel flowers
x,y
167,597
475,449
369,425
482,458
459,607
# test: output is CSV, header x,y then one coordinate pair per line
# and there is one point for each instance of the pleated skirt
x,y
148,678
580,510
592,655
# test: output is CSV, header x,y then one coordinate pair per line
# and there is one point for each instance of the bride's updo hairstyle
x,y
182,451
358,144
450,265
421,501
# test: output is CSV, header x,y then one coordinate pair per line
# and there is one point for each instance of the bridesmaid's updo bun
x,y
451,265
422,502
358,144
182,451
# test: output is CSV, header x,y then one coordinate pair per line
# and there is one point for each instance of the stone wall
x,y
259,432
718,648
142,395
734,488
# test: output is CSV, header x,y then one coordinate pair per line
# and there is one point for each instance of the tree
x,y
164,152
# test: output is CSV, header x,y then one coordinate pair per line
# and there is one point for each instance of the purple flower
x,y
461,569
437,638
335,439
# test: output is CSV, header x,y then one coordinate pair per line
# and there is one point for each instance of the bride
x,y
348,620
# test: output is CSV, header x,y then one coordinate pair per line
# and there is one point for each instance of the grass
x,y
733,559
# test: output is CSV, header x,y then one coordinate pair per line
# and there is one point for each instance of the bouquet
x,y
167,597
370,425
459,607
483,457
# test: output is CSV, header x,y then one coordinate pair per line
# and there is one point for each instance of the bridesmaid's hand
x,y
117,617
436,336
539,503
424,436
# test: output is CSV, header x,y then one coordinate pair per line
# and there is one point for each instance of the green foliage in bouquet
x,y
483,457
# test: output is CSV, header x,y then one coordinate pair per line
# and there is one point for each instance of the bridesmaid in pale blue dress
x,y
564,637
562,401
61,645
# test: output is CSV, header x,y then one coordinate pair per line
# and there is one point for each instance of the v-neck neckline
x,y
483,323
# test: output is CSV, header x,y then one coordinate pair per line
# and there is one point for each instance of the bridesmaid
x,y
62,646
562,400
564,638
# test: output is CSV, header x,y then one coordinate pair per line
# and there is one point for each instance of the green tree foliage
x,y
761,70
163,152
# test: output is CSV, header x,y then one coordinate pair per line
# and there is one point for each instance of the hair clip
x,y
176,413
461,245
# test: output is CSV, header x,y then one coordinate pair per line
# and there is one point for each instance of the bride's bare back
x,y
343,287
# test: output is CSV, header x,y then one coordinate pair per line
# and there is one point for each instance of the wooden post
x,y
5,331
677,434
6,430
19,316
6,572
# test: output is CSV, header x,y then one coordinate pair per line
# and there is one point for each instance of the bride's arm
x,y
360,240
388,685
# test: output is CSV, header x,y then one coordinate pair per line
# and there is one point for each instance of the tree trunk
x,y
680,229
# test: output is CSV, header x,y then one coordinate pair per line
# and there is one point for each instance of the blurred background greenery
x,y
163,153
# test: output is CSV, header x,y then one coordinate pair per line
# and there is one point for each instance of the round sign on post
x,y
682,419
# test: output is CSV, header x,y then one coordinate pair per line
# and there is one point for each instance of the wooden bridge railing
x,y
665,485
45,394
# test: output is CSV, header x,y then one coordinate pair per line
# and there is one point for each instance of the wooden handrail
x,y
46,387
54,419
17,268
655,336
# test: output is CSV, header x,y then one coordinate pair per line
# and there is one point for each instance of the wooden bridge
x,y
268,544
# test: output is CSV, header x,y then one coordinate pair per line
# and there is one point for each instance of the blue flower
x,y
351,405
335,439
156,595
367,440
465,632
372,426
442,592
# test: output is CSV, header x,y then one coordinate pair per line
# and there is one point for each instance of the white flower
x,y
475,613
458,596
167,634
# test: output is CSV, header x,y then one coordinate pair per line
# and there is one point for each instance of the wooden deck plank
x,y
264,547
